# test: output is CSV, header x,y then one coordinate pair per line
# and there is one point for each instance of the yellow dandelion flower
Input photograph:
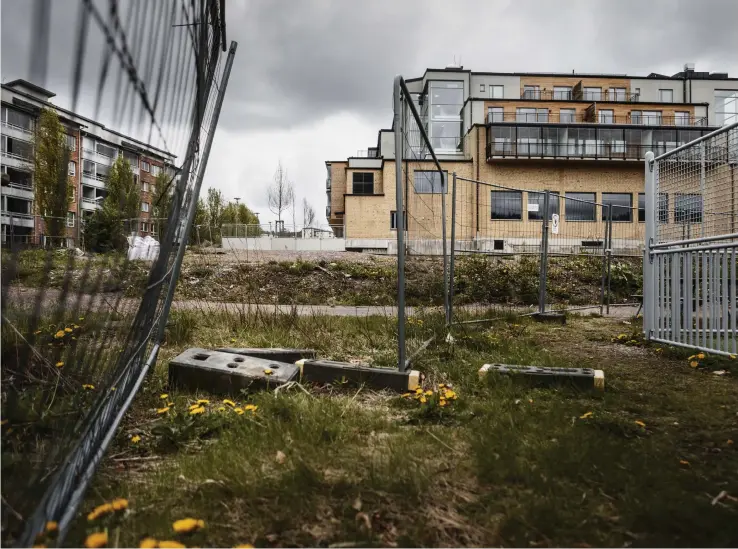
x,y
267,371
251,407
428,393
203,401
52,526
239,411
75,326
99,511
729,442
135,439
233,340
39,546
441,385
198,410
163,410
244,546
148,543
586,415
732,357
622,336
640,423
194,406
694,364
59,364
221,409
59,334
98,539
450,394
405,395
164,396
88,386
186,525
119,504
37,332
683,462
68,330
418,390
81,318
170,404
230,403
170,544
423,400
112,388
701,356
442,403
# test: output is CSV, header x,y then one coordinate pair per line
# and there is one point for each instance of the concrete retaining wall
x,y
270,244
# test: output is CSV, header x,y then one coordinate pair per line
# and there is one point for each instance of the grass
x,y
503,465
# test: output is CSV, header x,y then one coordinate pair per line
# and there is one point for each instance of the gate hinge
x,y
650,165
650,252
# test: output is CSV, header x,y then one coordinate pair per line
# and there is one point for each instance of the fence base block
x,y
281,355
329,371
559,318
227,373
583,378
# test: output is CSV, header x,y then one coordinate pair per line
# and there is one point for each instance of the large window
x,y
529,140
70,219
652,118
17,119
363,183
664,141
446,101
526,114
622,206
567,116
506,204
144,206
72,168
531,92
428,182
726,106
666,96
592,94
17,148
616,94
607,116
501,139
71,143
496,92
681,118
536,203
663,208
495,114
132,158
688,208
580,206
105,150
562,93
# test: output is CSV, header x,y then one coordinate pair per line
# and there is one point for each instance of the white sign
x,y
555,223
532,207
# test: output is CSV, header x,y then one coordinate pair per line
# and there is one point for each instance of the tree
x,y
161,206
215,206
308,213
281,193
53,194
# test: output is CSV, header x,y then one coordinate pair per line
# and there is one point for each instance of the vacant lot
x,y
651,462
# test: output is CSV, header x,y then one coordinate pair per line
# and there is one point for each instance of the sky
x,y
312,79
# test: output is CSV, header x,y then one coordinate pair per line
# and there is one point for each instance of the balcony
x,y
17,132
95,180
577,93
591,117
91,203
17,219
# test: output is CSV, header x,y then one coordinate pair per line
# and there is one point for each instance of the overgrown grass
x,y
505,465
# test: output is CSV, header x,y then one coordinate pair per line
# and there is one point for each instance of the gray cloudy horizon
x,y
312,79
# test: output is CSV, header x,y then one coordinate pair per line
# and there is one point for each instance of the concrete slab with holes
x,y
227,373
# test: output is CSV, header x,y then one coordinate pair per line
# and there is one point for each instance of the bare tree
x,y
281,193
308,213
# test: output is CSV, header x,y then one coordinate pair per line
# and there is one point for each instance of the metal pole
x,y
609,254
398,124
604,264
453,254
196,191
444,195
544,255
702,189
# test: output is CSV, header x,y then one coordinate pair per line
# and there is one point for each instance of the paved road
x,y
51,297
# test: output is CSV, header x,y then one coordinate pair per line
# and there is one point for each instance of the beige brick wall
x,y
338,189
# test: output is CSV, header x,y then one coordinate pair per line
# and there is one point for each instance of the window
x,y
428,182
17,119
145,166
641,207
562,92
501,139
652,118
527,114
607,116
496,92
592,94
663,208
506,204
155,170
70,219
531,92
536,203
363,183
446,100
88,144
481,88
495,114
688,208
567,116
393,220
637,92
131,157
580,206
145,186
529,140
88,168
152,189
666,96
726,106
636,117
681,118
104,150
616,94
72,168
71,143
144,206
622,206
17,148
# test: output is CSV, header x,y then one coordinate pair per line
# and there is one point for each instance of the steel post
x,y
453,254
400,217
544,255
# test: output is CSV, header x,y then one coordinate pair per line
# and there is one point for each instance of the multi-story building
x,y
93,149
583,136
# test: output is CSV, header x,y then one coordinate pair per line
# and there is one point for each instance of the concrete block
x,y
583,378
557,318
329,371
220,372
281,355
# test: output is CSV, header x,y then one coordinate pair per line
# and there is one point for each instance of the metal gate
x,y
689,269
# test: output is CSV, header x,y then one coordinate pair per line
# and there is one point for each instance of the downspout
x,y
476,236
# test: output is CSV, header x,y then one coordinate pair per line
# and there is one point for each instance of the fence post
x,y
444,196
544,255
400,216
453,254
702,187
603,281
649,293
609,253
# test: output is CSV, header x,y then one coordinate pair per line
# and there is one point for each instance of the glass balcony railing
x,y
600,117
618,95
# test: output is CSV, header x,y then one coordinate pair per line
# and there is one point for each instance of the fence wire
x,y
80,333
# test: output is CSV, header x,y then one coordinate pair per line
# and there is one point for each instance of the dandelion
x,y
428,393
88,386
148,543
251,407
119,504
221,409
186,525
164,396
37,332
68,330
418,391
441,385
170,404
81,318
135,439
267,371
203,401
233,340
59,334
59,364
239,411
163,410
732,357
640,423
586,415
694,364
244,546
99,511
442,403
229,403
622,337
450,394
52,526
194,406
98,539
169,544
701,356
75,326
683,462
112,389
405,395
729,442
423,400
198,410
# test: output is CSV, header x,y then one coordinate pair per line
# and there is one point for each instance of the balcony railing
x,y
571,95
18,128
367,153
588,150
599,118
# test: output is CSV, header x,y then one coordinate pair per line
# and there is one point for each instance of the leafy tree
x,y
215,206
53,194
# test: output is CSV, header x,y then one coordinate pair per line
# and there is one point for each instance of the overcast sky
x,y
312,79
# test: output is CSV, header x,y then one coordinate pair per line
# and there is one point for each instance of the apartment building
x,y
93,149
583,136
